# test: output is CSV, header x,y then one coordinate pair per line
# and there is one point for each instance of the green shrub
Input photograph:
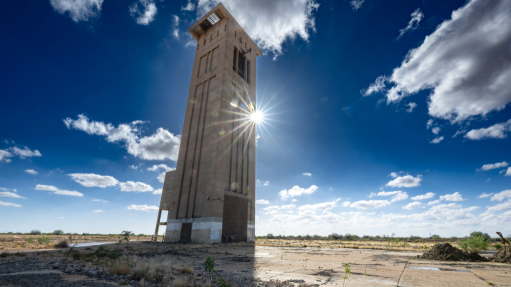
x,y
58,232
44,240
35,232
497,246
435,236
481,234
473,244
29,240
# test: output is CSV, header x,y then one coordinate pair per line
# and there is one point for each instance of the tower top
x,y
215,15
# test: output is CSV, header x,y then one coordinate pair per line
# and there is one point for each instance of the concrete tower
x,y
211,194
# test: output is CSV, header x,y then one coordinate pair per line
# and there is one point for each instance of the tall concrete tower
x,y
210,196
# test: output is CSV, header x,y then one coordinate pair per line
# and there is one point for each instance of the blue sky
x,y
381,117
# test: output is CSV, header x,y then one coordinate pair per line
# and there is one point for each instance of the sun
x,y
256,117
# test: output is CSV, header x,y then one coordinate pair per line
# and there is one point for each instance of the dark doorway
x,y
186,232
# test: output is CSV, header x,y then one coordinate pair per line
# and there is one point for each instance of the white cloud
x,y
370,204
144,207
262,201
435,130
417,16
94,180
161,177
175,26
346,203
491,166
57,191
98,211
31,171
397,195
26,152
452,197
356,4
413,205
508,171
10,194
501,195
158,191
189,6
430,123
271,209
131,186
135,167
9,204
4,156
501,206
463,62
289,206
485,195
307,173
79,10
262,183
434,202
100,200
269,22
423,196
497,131
451,211
376,87
411,106
297,191
319,206
404,181
160,167
143,11
437,140
159,146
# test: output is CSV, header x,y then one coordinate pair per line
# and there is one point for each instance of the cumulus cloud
x,y
94,180
98,211
144,207
262,201
411,106
131,186
143,11
161,176
100,200
491,166
501,195
508,172
485,195
434,202
423,196
404,181
78,10
269,23
271,209
189,6
346,203
497,131
4,156
158,191
297,191
413,205
465,62
262,183
31,171
436,140
501,206
413,24
451,211
307,173
320,206
57,191
370,204
397,195
356,4
9,204
435,130
452,197
160,146
26,152
10,194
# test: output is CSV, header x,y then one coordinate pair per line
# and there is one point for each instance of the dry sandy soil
x,y
248,265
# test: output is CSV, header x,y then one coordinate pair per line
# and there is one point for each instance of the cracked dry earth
x,y
265,266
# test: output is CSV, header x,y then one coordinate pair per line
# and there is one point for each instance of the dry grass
x,y
331,244
187,270
120,268
179,282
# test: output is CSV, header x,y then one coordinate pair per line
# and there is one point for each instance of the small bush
x,y
497,246
435,236
58,232
30,240
35,232
179,282
120,268
187,270
62,244
486,236
473,244
44,240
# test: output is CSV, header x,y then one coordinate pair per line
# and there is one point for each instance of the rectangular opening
x,y
213,19
248,72
241,65
234,58
186,232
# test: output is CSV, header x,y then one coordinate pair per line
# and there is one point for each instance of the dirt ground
x,y
249,265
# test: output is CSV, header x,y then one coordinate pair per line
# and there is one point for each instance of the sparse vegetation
x,y
35,232
58,232
475,243
347,271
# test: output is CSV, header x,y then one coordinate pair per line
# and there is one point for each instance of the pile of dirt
x,y
446,252
503,255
